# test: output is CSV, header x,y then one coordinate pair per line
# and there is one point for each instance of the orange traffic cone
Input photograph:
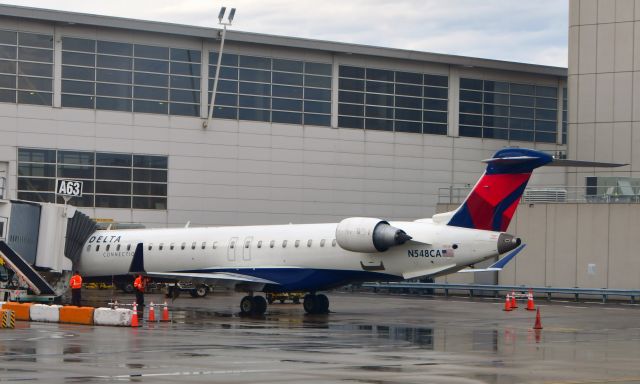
x,y
530,305
507,303
538,324
152,313
165,312
134,316
514,303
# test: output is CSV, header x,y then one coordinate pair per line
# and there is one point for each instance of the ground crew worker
x,y
76,288
140,284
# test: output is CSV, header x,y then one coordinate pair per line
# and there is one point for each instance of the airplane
x,y
319,257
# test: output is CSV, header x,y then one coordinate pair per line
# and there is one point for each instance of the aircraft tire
x,y
246,305
322,303
200,291
259,305
309,304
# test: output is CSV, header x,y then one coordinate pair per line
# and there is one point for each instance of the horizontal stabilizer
x,y
579,163
498,265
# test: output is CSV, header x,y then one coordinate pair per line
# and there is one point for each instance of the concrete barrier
x,y
76,315
22,310
45,313
107,316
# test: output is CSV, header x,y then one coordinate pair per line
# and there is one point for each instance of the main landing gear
x,y
316,304
253,305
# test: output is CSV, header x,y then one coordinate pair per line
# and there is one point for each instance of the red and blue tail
x,y
493,201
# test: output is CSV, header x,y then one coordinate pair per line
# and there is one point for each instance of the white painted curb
x,y
46,313
107,316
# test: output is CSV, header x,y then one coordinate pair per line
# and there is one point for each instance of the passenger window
x,y
88,247
322,242
97,247
183,245
297,243
128,247
215,244
284,243
272,243
150,246
309,243
233,244
247,243
108,246
118,247
172,246
193,245
260,244
333,243
204,245
160,246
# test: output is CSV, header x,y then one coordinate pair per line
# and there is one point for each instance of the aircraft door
x,y
246,248
231,249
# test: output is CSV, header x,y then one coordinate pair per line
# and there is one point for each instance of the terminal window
x,y
26,68
380,99
120,76
508,111
271,89
110,180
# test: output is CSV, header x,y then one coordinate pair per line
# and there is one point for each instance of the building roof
x,y
55,16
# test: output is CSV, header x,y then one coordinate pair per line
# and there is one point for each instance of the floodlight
x,y
231,14
221,14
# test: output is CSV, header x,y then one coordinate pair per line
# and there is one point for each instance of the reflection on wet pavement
x,y
366,338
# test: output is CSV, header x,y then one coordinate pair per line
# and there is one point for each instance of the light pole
x,y
232,13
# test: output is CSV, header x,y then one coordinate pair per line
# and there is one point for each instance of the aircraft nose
x,y
507,242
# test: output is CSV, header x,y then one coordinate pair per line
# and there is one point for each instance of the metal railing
x,y
548,194
472,289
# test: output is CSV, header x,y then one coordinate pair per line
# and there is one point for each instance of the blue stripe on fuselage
x,y
305,279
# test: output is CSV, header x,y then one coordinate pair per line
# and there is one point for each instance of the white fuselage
x,y
297,257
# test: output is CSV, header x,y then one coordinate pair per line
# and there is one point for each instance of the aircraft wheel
x,y
199,291
322,304
259,305
309,304
246,305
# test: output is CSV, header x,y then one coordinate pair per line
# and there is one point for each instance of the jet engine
x,y
366,234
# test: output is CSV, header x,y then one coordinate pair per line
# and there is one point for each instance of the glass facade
x,y
110,180
130,77
380,99
121,76
26,68
271,89
508,111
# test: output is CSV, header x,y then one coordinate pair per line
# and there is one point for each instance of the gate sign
x,y
69,188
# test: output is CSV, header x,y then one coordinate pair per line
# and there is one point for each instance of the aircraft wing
x,y
217,278
211,277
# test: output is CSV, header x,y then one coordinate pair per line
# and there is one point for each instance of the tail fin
x,y
493,200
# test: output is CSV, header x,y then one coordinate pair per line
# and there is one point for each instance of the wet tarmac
x,y
366,339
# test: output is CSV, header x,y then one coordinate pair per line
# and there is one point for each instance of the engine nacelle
x,y
367,234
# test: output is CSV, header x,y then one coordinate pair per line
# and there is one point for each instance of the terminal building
x,y
302,131
315,131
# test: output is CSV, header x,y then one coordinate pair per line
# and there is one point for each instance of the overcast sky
x,y
523,31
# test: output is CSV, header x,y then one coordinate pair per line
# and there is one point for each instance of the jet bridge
x,y
40,243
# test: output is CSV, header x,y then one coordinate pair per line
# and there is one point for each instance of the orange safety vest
x,y
76,282
138,283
